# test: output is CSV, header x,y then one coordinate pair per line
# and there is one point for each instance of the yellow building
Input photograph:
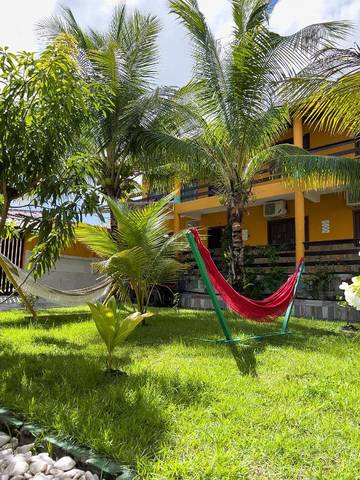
x,y
323,226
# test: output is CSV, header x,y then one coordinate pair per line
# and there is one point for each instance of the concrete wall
x,y
314,309
70,272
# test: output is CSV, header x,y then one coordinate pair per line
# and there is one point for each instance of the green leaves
x,y
112,326
145,128
45,107
141,253
327,92
235,91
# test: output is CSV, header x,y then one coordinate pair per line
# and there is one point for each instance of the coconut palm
x,y
141,254
144,124
234,94
327,92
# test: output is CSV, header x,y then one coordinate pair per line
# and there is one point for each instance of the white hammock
x,y
62,297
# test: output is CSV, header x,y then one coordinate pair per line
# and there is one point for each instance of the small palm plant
x,y
113,327
140,254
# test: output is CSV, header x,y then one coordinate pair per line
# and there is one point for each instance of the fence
x,y
12,249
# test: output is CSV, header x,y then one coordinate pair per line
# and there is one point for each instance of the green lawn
x,y
185,411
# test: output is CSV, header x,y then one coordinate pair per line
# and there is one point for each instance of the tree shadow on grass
x,y
50,341
194,326
47,321
71,395
245,359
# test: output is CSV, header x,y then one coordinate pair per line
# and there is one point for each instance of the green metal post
x,y
285,324
209,287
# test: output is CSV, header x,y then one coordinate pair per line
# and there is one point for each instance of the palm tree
x,y
327,92
234,93
141,254
141,131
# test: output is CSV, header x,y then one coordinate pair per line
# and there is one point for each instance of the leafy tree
x,y
45,105
327,92
235,95
138,134
141,254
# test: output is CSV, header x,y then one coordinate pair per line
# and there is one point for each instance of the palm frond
x,y
97,239
317,172
208,68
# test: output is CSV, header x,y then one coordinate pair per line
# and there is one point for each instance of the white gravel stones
x,y
74,473
25,448
4,439
38,466
18,463
65,463
55,472
17,466
89,476
42,457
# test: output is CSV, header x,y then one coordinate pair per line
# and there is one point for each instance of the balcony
x,y
196,190
150,198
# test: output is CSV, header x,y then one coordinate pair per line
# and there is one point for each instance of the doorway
x,y
282,232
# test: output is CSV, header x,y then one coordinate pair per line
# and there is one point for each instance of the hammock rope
x,y
62,297
264,310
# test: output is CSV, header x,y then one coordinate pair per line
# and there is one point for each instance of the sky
x,y
19,18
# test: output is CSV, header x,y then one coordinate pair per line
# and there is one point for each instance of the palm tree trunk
x,y
4,213
113,223
237,261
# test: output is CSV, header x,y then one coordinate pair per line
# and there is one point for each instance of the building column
x,y
299,197
177,199
177,190
203,230
177,220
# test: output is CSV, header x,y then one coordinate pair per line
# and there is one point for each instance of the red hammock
x,y
259,310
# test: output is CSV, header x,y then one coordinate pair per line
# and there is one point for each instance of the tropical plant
x,y
44,107
113,328
327,92
352,292
234,94
140,254
137,135
319,284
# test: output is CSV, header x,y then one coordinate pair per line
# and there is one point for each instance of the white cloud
x,y
218,14
291,15
18,20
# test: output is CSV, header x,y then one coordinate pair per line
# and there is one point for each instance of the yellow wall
x,y
77,250
331,207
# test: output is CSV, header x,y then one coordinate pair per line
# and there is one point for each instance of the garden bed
x,y
185,411
22,443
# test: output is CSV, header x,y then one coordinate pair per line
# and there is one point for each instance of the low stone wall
x,y
316,309
325,310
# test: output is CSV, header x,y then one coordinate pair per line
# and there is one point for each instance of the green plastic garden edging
x,y
82,455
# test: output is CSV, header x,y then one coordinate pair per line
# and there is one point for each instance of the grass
x,y
185,411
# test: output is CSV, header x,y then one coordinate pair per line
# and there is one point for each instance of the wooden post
x,y
299,198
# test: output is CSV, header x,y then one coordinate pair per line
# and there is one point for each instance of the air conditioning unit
x,y
352,199
275,209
